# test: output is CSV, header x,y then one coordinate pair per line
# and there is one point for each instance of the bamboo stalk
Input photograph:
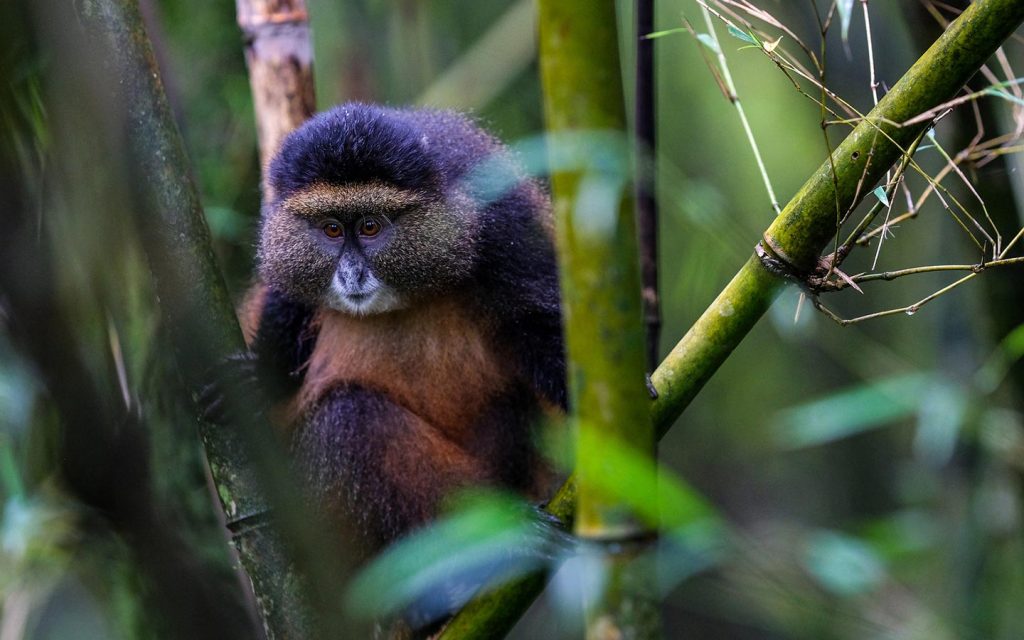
x,y
245,461
600,278
798,234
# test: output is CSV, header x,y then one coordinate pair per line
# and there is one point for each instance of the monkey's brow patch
x,y
351,201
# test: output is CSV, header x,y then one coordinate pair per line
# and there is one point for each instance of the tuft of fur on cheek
x,y
291,261
431,250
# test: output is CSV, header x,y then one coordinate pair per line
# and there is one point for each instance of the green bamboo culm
x,y
597,250
599,267
799,234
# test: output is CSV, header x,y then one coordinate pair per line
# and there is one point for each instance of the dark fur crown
x,y
349,144
352,143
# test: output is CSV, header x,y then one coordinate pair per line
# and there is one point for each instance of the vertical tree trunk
x,y
201,321
279,55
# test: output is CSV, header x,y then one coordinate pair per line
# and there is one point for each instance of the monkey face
x,y
366,248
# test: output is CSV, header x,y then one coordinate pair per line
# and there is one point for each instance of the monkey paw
x,y
234,393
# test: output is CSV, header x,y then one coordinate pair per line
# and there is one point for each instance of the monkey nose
x,y
353,277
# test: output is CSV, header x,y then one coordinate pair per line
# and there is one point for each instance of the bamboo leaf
x,y
845,9
666,32
709,42
882,196
772,45
742,35
657,496
491,536
855,410
844,565
996,367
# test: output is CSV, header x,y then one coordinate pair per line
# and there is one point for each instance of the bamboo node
x,y
249,20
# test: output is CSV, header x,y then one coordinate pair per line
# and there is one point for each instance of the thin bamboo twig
x,y
734,98
871,52
873,84
645,102
995,242
976,269
908,310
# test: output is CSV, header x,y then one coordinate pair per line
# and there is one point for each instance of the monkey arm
x,y
283,342
271,369
519,288
538,348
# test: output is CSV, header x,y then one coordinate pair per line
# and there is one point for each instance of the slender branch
x,y
871,51
975,269
646,174
734,98
798,236
997,242
908,310
899,273
891,187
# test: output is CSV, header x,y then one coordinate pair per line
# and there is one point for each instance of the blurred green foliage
x,y
858,482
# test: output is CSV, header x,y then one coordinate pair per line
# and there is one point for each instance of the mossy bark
x,y
195,303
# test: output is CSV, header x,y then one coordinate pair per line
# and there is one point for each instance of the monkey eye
x,y
332,229
369,227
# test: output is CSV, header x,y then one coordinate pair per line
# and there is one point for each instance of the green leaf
x,y
742,35
708,41
656,496
227,224
895,536
10,477
769,47
844,565
939,420
993,372
473,544
855,410
882,196
666,32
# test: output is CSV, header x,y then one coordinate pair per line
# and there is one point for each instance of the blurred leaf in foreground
x,y
855,410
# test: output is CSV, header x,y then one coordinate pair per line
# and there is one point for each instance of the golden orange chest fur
x,y
435,360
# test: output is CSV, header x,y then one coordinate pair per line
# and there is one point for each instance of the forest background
x,y
873,471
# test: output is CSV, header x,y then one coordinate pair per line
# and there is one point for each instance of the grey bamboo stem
x,y
197,309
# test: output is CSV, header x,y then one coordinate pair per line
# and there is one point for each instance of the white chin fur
x,y
377,297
